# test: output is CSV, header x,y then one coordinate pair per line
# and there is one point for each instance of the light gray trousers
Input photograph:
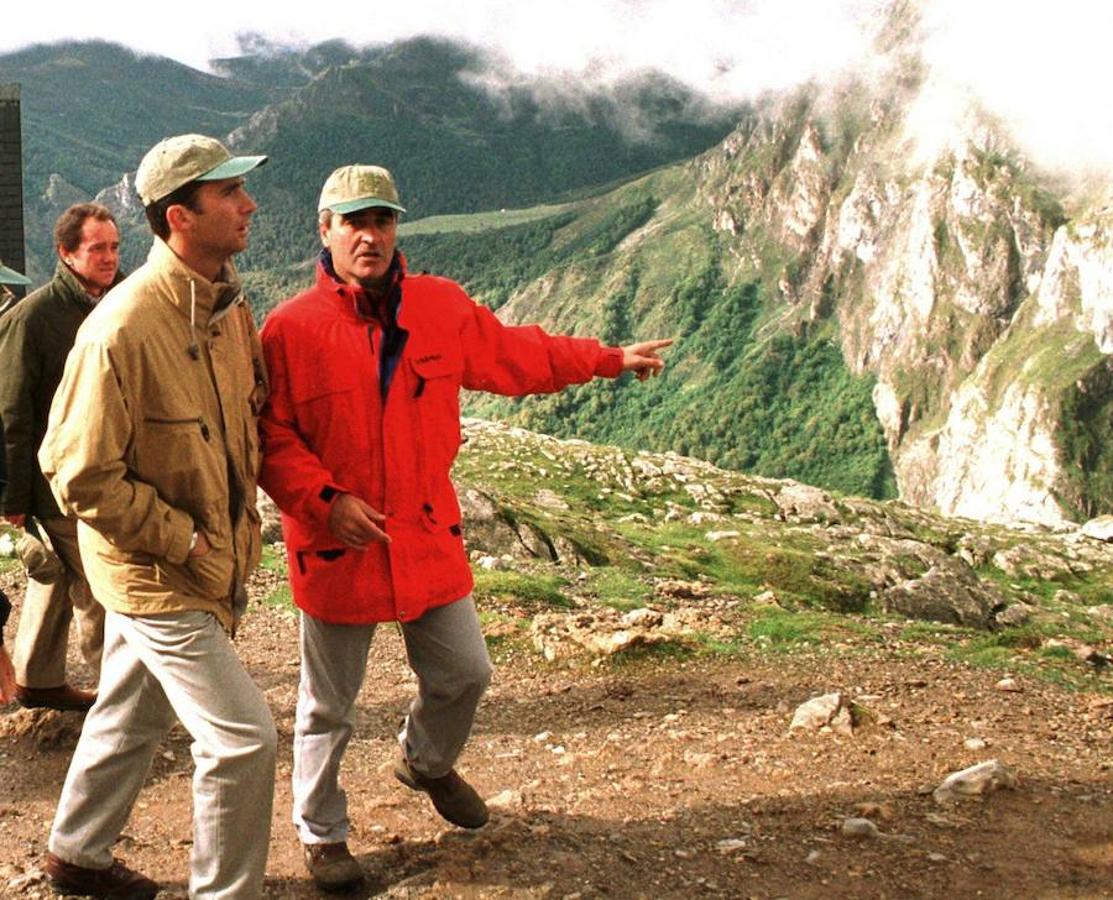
x,y
446,651
156,667
39,652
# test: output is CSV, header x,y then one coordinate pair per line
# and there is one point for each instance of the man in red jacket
x,y
359,435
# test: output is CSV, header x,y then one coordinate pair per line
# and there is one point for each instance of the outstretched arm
x,y
642,358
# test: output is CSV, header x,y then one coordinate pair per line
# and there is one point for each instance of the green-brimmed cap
x,y
184,158
11,276
350,188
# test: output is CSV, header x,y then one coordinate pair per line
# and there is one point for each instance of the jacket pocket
x,y
176,456
329,412
213,573
209,576
435,401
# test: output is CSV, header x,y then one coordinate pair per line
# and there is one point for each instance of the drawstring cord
x,y
194,350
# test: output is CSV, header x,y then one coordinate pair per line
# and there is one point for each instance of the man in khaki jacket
x,y
162,480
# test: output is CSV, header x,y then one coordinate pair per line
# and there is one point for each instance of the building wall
x,y
11,180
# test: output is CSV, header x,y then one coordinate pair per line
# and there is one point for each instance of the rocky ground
x,y
657,625
658,775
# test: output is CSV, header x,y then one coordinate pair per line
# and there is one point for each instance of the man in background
x,y
360,433
35,337
162,481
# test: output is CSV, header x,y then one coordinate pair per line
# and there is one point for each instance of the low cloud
x,y
1041,68
1038,67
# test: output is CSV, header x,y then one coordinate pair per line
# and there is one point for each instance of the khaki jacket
x,y
153,433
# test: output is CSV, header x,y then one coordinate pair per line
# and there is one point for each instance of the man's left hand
x,y
642,359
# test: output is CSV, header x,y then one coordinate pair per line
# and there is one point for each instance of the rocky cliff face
x,y
959,283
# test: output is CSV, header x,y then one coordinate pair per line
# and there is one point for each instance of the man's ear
x,y
178,217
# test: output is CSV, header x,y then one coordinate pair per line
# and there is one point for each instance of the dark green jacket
x,y
35,337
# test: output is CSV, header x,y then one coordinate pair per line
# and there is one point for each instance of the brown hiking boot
x,y
117,881
452,797
65,698
332,866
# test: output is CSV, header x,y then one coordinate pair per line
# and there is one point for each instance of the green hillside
x,y
453,146
91,109
420,107
756,399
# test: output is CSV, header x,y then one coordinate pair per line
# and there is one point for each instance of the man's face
x,y
96,259
361,243
221,227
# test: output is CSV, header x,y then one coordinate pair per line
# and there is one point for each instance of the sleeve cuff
x,y
609,364
180,538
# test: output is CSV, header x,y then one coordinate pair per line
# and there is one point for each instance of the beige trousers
x,y
446,651
39,651
158,668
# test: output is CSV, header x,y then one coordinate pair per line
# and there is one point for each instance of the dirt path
x,y
658,778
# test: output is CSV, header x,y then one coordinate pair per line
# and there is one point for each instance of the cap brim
x,y
11,276
233,168
351,206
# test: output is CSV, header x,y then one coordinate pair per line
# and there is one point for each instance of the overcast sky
x,y
1040,66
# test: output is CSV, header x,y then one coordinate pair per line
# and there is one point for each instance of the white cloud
x,y
1039,66
734,45
1042,68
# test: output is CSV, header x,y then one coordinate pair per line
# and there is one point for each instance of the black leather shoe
x,y
452,797
117,881
65,698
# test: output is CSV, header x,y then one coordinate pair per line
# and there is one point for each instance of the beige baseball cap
x,y
350,188
11,276
183,158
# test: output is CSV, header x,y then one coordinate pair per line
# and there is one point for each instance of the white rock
x,y
549,500
643,618
542,736
488,562
859,828
701,518
972,782
1010,685
842,722
817,712
730,845
715,536
974,744
1100,529
7,545
506,800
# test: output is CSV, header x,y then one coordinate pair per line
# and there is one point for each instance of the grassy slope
x,y
645,549
734,392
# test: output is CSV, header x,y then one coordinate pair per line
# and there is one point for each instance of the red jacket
x,y
327,428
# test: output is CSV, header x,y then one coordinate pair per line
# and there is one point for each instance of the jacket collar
x,y
355,300
68,286
198,299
